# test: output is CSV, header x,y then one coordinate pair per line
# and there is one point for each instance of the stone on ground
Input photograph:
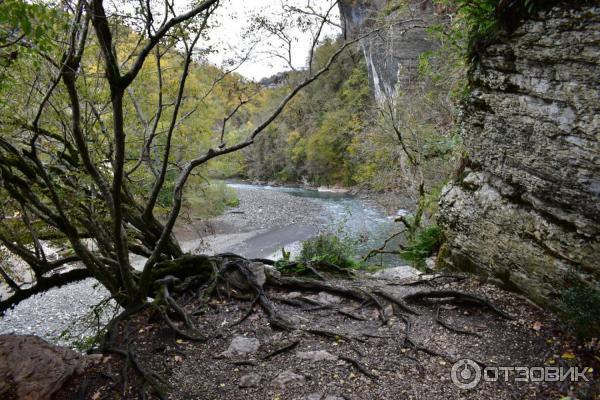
x,y
250,380
241,345
319,355
33,369
288,378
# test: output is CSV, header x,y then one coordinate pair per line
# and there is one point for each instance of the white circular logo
x,y
466,374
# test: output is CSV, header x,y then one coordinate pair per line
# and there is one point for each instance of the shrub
x,y
425,242
481,20
330,248
209,200
581,307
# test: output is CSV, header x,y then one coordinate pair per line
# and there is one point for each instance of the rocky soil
x,y
344,350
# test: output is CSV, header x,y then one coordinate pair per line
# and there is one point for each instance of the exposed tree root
x,y
195,336
380,308
244,362
457,297
351,315
360,367
397,302
157,383
444,324
286,348
248,280
425,350
429,281
331,334
247,314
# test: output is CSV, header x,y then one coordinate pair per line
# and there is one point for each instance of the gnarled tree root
x,y
457,297
236,276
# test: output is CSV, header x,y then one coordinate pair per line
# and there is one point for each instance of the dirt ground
x,y
363,359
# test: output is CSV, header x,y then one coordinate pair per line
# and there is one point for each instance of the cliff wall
x,y
392,54
527,209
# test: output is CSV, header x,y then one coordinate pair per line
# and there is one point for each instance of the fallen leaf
x,y
568,356
537,325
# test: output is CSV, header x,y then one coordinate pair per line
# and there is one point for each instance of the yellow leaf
x,y
568,356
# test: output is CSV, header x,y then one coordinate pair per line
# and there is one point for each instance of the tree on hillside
x,y
82,130
71,151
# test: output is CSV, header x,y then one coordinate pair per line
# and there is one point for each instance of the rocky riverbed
x,y
263,222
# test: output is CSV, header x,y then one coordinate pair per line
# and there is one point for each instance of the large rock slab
x,y
33,369
396,273
527,209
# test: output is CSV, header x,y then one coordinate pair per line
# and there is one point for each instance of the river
x,y
340,213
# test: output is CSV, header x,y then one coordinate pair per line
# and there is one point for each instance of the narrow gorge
x,y
524,209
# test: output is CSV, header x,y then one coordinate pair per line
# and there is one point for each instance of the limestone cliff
x,y
527,209
392,54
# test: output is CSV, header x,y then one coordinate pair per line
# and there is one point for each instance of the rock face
x,y
527,211
32,369
392,54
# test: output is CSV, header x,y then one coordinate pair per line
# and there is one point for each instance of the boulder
x,y
33,369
